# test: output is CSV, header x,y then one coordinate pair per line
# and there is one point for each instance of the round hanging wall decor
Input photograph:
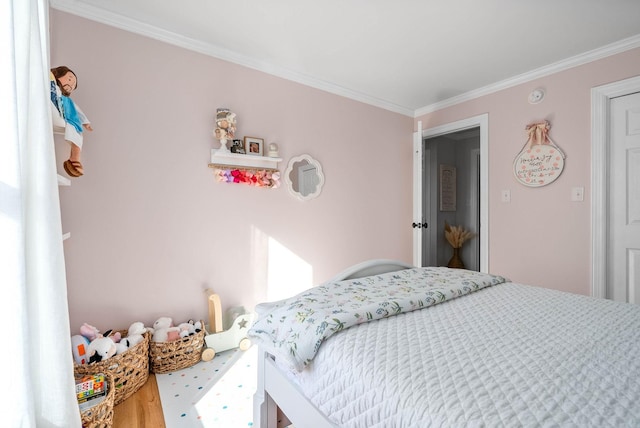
x,y
540,162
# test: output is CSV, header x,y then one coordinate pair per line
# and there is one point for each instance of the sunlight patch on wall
x,y
287,273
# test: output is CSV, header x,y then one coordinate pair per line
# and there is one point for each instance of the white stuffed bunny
x,y
163,330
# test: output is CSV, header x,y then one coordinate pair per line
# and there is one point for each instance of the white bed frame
x,y
276,396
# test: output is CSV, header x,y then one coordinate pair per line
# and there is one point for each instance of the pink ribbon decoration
x,y
538,133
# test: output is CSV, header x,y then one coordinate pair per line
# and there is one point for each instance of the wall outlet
x,y
506,196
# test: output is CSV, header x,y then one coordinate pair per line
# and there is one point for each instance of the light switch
x,y
577,194
506,196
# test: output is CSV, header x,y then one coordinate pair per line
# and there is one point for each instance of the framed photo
x,y
254,146
447,188
238,147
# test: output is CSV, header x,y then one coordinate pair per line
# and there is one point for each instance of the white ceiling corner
x,y
408,56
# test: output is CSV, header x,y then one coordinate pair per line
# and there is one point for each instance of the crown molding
x,y
78,8
593,55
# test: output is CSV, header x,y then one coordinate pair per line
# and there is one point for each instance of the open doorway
x,y
430,248
451,189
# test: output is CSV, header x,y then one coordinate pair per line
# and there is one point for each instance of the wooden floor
x,y
142,409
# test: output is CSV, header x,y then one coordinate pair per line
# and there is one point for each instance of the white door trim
x,y
473,184
600,97
481,121
417,195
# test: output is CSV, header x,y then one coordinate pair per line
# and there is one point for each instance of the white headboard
x,y
371,267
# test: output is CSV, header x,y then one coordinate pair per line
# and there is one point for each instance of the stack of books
x,y
91,390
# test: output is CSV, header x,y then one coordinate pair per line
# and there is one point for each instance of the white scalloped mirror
x,y
304,177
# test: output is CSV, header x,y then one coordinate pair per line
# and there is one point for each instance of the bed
x,y
384,344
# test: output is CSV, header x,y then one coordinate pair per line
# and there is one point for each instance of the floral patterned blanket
x,y
296,327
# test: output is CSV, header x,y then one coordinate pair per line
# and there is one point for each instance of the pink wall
x,y
542,237
151,228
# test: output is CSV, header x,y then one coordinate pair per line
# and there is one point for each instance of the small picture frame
x,y
447,188
238,147
254,146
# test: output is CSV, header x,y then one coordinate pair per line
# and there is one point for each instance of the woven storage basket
x,y
178,354
130,370
100,415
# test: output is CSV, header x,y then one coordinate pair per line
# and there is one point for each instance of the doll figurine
x,y
225,126
63,83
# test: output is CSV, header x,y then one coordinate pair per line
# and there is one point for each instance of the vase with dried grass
x,y
456,236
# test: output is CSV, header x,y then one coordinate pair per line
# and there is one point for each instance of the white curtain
x,y
37,369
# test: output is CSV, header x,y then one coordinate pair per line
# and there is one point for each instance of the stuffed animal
x,y
116,337
122,346
190,328
63,81
101,349
79,345
135,333
186,329
162,322
164,331
90,332
134,336
128,342
137,328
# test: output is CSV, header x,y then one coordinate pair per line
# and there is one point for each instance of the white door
x,y
624,200
417,196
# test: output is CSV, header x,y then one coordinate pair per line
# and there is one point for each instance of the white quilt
x,y
295,328
509,355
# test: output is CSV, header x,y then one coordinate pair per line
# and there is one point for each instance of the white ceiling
x,y
408,56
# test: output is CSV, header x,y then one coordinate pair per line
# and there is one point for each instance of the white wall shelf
x,y
228,160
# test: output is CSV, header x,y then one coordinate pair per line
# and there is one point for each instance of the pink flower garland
x,y
258,178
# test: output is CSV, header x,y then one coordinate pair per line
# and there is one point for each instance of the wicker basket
x,y
130,370
178,354
101,415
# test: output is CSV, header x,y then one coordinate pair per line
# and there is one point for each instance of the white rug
x,y
216,393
